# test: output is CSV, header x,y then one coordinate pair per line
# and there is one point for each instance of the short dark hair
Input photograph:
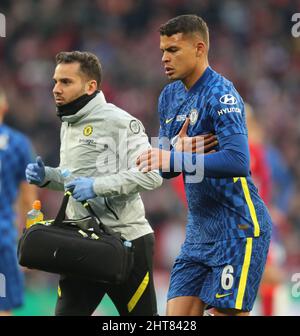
x,y
89,63
186,24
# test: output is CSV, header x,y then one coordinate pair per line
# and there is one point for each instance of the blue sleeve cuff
x,y
176,161
182,161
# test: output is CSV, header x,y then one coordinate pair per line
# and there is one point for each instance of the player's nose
x,y
165,58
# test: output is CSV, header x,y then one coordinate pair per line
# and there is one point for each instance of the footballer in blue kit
x,y
228,228
15,153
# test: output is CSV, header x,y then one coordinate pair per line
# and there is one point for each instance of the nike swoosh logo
x,y
169,120
219,296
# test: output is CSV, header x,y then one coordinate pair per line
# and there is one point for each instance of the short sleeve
x,y
226,110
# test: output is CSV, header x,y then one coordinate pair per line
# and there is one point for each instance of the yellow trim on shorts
x,y
250,204
139,292
59,291
244,274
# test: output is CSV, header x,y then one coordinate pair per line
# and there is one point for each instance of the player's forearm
x,y
164,143
226,163
231,161
166,146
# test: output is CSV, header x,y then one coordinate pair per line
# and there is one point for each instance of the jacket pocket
x,y
108,206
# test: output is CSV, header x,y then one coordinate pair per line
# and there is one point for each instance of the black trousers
x,y
135,297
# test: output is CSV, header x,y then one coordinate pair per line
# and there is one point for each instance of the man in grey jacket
x,y
99,146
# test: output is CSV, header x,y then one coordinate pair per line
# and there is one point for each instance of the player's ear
x,y
200,48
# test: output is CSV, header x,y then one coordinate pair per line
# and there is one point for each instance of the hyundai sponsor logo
x,y
228,99
229,110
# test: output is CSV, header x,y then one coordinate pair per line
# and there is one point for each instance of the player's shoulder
x,y
171,87
15,134
223,92
17,142
170,90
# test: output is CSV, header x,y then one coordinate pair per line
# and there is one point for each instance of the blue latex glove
x,y
82,188
35,172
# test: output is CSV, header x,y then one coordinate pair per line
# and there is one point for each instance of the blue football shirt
x,y
218,208
15,153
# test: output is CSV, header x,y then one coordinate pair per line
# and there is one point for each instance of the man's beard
x,y
74,106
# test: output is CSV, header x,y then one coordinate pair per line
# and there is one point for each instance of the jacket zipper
x,y
68,131
110,209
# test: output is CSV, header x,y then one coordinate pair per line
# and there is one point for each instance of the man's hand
x,y
35,172
198,144
154,159
82,188
160,159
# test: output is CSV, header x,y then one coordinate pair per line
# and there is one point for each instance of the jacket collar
x,y
98,101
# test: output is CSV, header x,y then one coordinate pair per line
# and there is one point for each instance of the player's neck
x,y
192,79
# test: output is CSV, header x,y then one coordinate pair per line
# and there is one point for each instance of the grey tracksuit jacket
x,y
103,141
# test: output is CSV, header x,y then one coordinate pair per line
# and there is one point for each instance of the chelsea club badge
x,y
193,116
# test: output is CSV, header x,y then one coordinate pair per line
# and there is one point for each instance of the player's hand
x,y
35,172
82,188
153,159
198,144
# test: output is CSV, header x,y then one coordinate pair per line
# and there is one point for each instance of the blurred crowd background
x,y
251,44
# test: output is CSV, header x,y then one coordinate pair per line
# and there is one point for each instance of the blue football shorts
x,y
223,274
11,279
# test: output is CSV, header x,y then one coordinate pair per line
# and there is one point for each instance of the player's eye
x,y
173,50
65,81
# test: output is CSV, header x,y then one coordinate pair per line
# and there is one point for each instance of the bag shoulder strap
x,y
61,215
96,223
97,220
